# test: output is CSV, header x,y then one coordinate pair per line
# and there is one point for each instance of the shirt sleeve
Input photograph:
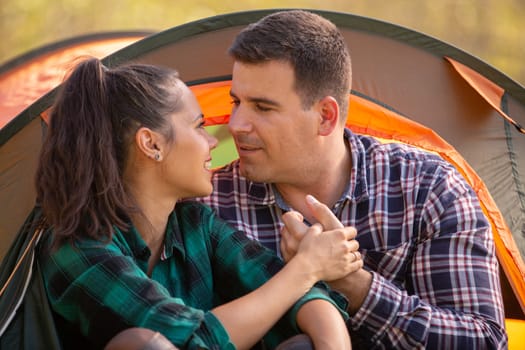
x,y
243,265
452,299
103,291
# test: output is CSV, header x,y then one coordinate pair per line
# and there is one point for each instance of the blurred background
x,y
492,30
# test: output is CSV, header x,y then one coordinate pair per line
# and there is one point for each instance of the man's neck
x,y
328,186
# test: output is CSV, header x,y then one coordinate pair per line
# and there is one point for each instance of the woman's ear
x,y
329,115
147,142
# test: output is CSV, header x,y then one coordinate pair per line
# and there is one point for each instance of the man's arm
x,y
456,299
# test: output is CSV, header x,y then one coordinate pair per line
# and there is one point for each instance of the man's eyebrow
x,y
263,100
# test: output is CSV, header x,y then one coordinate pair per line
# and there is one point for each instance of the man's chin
x,y
251,172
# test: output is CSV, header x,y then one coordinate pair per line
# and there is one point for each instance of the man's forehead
x,y
265,81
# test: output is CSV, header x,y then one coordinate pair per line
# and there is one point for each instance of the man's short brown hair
x,y
313,46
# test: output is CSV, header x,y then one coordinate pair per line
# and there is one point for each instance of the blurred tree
x,y
489,29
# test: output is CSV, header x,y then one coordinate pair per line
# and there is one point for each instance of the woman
x,y
123,146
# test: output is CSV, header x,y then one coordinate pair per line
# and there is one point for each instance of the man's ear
x,y
329,115
147,142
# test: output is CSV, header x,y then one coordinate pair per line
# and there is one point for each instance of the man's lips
x,y
247,145
248,148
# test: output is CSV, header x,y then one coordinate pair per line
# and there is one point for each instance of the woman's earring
x,y
157,156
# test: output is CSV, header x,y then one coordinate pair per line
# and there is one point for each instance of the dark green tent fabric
x,y
26,320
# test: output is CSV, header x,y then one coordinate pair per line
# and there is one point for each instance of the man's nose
x,y
239,121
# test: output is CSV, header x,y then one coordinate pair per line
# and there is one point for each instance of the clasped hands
x,y
327,243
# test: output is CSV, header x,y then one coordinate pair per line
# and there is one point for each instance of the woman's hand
x,y
328,255
332,253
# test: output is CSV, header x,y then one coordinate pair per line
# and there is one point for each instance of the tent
x,y
22,81
407,87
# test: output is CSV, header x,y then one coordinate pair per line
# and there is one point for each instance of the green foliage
x,y
489,29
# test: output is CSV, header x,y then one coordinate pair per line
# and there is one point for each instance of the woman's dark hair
x,y
313,46
92,125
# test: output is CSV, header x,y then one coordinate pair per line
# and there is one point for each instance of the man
x,y
430,276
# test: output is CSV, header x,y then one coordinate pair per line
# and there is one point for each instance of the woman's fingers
x,y
292,234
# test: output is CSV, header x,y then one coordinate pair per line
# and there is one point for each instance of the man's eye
x,y
262,108
235,102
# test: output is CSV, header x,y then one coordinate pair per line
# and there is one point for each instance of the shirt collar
x,y
173,240
136,244
357,188
279,199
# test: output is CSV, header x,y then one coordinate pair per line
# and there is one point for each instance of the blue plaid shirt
x,y
422,234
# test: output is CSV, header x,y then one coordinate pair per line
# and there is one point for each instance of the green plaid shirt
x,y
100,289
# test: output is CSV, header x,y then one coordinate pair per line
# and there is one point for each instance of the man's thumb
x,y
323,214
